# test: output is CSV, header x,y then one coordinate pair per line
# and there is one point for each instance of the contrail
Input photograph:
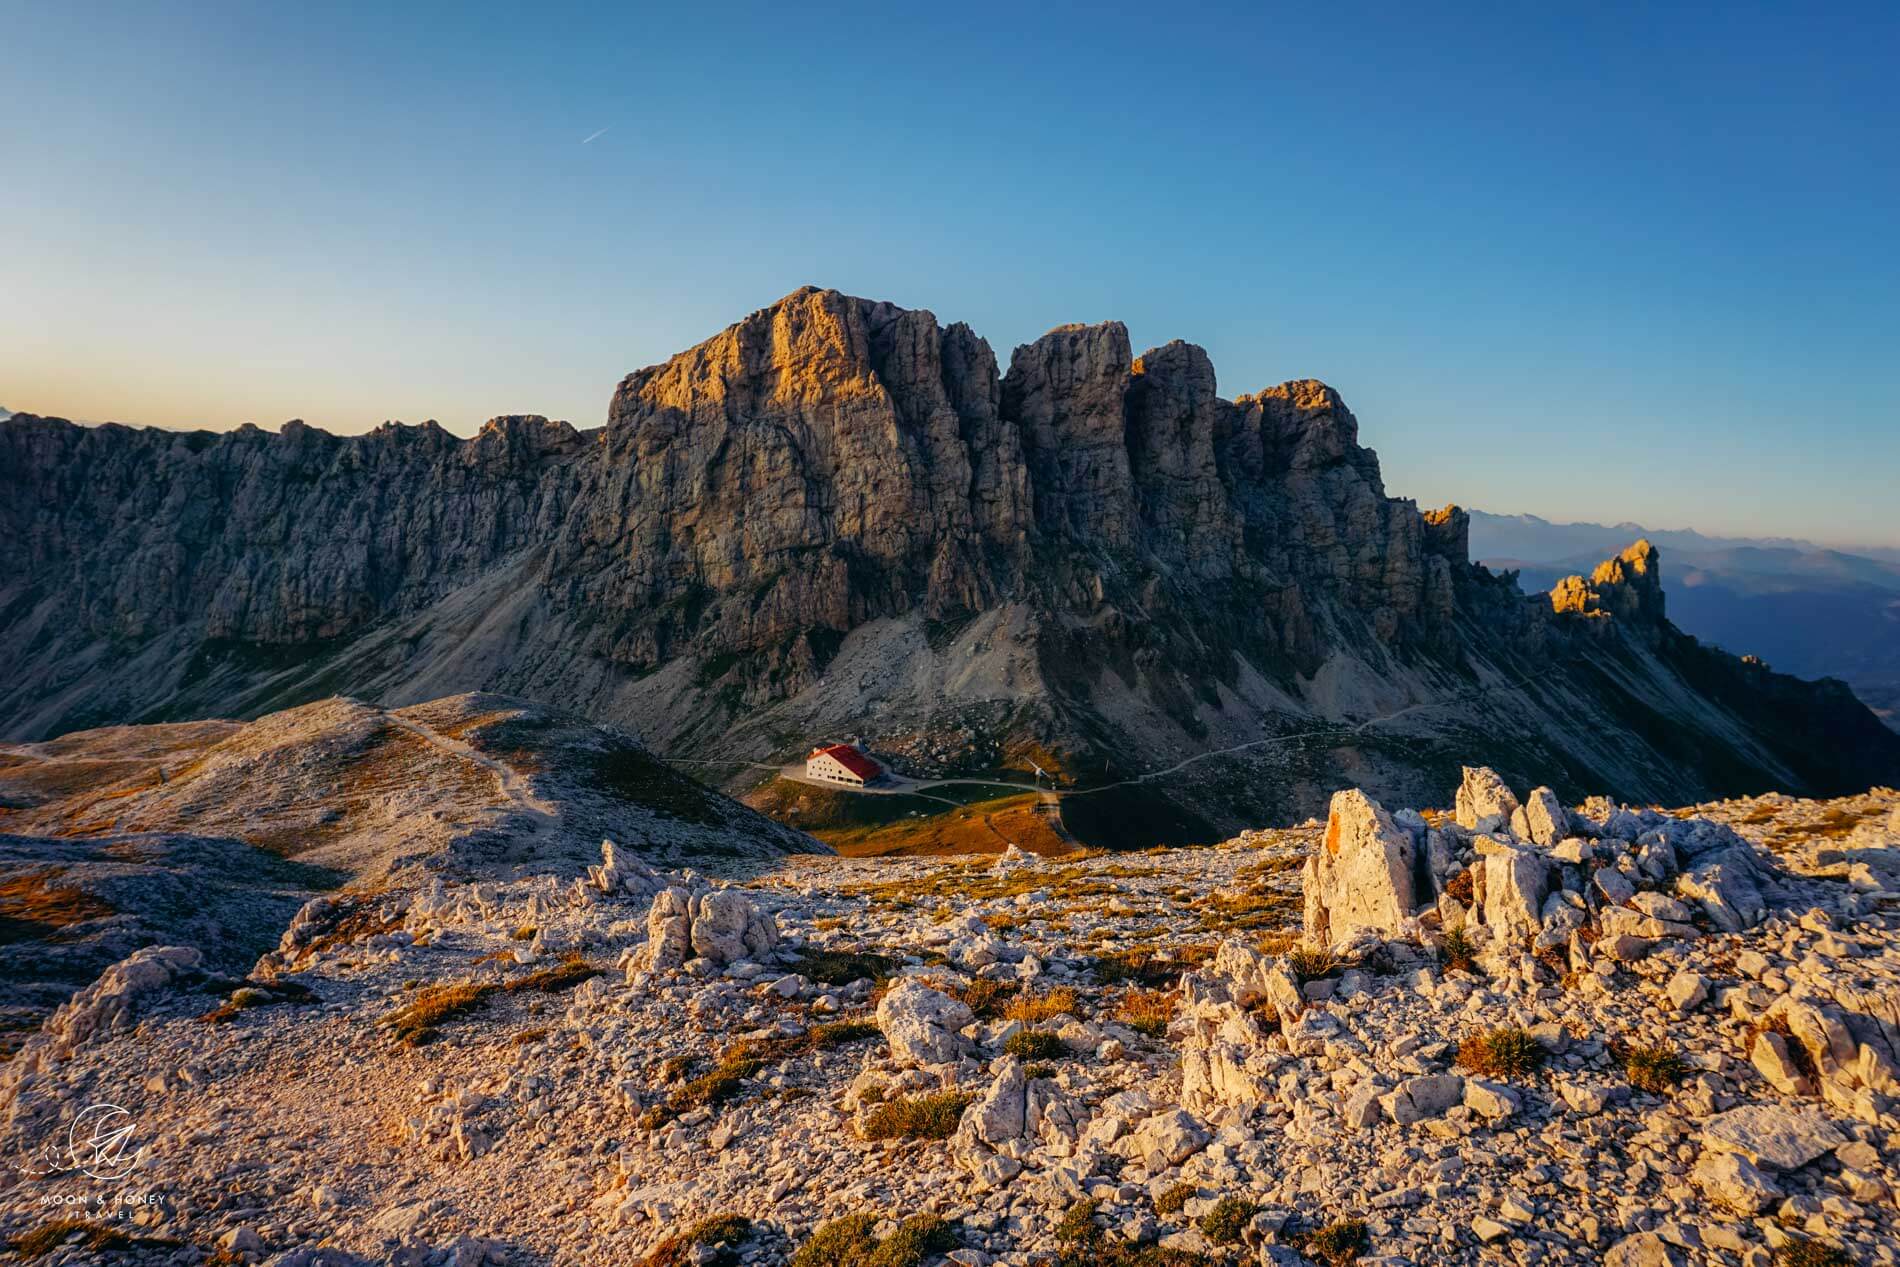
x,y
595,137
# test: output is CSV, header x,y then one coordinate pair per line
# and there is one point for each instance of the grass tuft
x,y
1501,1053
1172,1201
842,967
1150,969
1227,1221
918,1117
1311,963
415,1023
1657,1070
1457,954
1799,1251
1035,1044
83,1234
1338,1243
851,1242
721,1232
838,1033
565,975
1147,1011
1083,1243
258,992
1031,1009
988,999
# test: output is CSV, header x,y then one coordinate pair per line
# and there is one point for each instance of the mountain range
x,y
1813,610
840,518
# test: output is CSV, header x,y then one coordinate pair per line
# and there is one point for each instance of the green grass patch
x,y
1034,1044
1338,1244
851,1242
1657,1070
842,967
917,1117
1227,1221
722,1233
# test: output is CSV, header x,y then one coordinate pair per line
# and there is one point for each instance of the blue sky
x,y
1599,264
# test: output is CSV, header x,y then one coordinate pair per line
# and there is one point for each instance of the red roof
x,y
851,759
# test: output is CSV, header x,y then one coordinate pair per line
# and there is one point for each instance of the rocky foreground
x,y
1517,1032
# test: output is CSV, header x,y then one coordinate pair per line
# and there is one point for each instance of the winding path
x,y
514,788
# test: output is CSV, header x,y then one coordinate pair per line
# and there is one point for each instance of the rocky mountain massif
x,y
838,518
1523,1031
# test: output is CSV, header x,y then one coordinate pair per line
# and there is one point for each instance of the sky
x,y
1592,262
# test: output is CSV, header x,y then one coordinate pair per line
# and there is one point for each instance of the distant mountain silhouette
x,y
1806,609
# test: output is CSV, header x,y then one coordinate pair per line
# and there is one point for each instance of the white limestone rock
x,y
1484,802
1642,1249
669,932
1165,1139
1546,820
1515,881
1735,1182
1016,1110
622,874
1360,878
921,1024
1771,1058
728,926
1780,1138
1428,1095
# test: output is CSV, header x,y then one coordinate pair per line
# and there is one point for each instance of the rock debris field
x,y
1514,1032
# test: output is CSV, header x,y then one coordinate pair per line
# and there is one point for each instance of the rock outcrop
x,y
842,511
922,1025
720,927
1530,886
1361,876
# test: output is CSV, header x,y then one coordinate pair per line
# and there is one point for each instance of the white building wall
x,y
830,770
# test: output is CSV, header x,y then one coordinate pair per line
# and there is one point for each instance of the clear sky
x,y
1601,263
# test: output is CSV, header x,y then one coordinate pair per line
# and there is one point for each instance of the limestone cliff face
x,y
282,539
839,514
822,463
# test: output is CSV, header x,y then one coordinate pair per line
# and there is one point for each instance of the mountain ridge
x,y
842,517
1813,610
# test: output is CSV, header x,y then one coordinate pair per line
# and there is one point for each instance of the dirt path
x,y
508,780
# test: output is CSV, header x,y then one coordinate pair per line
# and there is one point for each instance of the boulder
x,y
1546,822
1225,1057
1772,1061
728,926
1015,1108
622,874
1165,1139
1492,1101
1780,1138
722,927
1515,881
1251,977
1428,1095
1687,991
1734,1181
1361,876
1643,1249
1484,802
669,932
921,1024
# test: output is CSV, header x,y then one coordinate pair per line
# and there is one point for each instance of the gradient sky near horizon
x,y
1600,263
